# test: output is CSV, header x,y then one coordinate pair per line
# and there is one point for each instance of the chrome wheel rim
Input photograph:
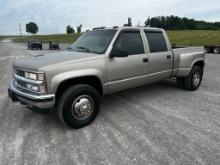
x,y
82,107
196,79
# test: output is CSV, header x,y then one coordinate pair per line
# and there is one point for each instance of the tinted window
x,y
131,42
156,41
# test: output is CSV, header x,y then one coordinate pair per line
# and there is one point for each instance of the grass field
x,y
181,37
194,37
63,38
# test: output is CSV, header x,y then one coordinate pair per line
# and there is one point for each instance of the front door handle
x,y
168,56
145,59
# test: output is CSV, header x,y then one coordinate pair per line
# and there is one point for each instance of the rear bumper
x,y
39,101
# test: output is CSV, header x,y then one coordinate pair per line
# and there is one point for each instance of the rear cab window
x,y
156,41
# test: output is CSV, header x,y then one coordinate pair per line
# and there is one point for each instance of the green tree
x,y
79,28
31,27
69,29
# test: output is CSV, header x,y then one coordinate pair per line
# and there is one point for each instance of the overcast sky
x,y
94,13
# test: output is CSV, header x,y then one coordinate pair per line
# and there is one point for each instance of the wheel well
x,y
200,64
89,80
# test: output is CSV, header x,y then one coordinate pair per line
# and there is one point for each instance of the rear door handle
x,y
145,59
168,56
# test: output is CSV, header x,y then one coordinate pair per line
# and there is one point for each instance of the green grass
x,y
63,38
180,37
8,37
194,37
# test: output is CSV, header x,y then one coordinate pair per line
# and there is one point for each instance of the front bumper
x,y
39,101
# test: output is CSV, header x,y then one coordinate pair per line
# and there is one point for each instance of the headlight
x,y
35,76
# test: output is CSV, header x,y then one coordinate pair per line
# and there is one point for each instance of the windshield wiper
x,y
83,48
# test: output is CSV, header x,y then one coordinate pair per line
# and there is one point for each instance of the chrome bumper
x,y
39,101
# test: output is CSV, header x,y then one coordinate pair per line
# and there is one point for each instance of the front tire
x,y
79,106
193,80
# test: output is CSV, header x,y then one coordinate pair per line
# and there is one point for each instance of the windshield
x,y
94,41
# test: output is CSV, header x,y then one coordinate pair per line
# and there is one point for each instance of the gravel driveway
x,y
154,124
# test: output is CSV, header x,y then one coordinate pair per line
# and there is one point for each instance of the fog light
x,y
33,87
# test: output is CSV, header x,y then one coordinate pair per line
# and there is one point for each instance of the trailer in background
x,y
212,49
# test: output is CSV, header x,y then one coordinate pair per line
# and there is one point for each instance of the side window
x,y
156,40
131,42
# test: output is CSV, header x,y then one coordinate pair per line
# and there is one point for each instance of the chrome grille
x,y
21,83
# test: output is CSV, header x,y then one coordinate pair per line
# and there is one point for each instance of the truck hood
x,y
44,60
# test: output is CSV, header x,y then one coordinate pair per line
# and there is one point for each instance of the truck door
x,y
130,71
160,56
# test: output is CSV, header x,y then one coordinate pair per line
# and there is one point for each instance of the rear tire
x,y
194,79
79,105
217,51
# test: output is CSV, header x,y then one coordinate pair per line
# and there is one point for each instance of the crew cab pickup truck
x,y
101,62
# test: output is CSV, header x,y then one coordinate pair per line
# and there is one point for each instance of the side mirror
x,y
118,53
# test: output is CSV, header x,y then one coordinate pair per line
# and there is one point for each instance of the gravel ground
x,y
154,124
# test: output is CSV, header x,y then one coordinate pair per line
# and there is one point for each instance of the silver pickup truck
x,y
101,62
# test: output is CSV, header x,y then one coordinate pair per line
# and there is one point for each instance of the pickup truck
x,y
101,62
34,44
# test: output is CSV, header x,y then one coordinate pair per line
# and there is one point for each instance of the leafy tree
x,y
69,29
79,28
32,28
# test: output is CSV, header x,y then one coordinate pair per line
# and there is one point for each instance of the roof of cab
x,y
127,27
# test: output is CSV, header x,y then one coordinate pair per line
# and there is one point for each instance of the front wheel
x,y
79,105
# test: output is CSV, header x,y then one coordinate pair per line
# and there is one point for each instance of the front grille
x,y
24,84
20,73
21,83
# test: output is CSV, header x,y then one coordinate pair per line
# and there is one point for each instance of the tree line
x,y
165,22
177,23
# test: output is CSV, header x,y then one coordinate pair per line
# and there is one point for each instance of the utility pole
x,y
20,29
57,31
